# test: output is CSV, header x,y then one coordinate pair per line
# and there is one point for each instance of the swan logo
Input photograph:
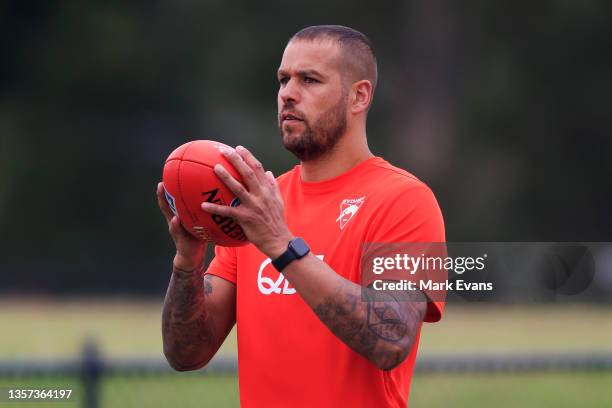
x,y
348,208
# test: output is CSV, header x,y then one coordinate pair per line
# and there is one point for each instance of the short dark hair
x,y
357,50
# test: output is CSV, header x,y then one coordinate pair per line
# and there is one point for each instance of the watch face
x,y
299,247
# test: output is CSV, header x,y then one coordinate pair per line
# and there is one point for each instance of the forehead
x,y
320,55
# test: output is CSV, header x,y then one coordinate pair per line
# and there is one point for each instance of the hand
x,y
189,250
261,212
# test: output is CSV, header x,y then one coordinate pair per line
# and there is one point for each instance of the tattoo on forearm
x,y
186,326
375,324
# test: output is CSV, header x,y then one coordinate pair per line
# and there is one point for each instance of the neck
x,y
350,150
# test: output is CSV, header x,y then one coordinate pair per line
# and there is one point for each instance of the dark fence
x,y
91,368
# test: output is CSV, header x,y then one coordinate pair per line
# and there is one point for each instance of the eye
x,y
283,80
310,80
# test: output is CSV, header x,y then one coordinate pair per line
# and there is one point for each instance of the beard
x,y
318,138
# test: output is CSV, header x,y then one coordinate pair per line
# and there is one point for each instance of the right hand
x,y
189,250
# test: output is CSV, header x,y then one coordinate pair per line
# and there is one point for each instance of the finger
x,y
222,210
270,178
163,204
252,162
178,231
175,227
273,184
234,185
246,172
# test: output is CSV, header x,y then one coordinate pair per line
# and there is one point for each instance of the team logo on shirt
x,y
348,208
272,284
270,281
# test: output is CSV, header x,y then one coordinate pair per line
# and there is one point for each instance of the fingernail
x,y
218,168
240,148
205,205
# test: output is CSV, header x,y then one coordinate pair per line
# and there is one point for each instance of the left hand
x,y
261,213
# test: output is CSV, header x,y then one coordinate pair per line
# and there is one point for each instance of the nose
x,y
289,92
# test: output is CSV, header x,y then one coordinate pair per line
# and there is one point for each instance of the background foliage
x,y
502,108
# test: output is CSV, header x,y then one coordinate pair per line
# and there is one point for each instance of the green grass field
x,y
430,390
132,328
43,329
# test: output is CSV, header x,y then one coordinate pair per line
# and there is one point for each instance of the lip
x,y
290,117
291,121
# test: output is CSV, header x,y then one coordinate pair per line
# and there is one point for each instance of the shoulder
x,y
403,208
401,198
395,182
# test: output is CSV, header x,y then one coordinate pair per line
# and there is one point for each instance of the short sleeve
x,y
413,215
224,264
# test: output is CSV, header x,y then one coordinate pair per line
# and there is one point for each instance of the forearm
x,y
374,324
188,331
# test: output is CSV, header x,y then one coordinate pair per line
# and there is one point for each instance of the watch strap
x,y
296,249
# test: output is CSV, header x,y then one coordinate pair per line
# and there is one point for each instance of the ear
x,y
361,96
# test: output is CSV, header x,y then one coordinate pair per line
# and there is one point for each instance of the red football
x,y
189,180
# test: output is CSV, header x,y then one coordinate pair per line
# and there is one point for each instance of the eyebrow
x,y
303,73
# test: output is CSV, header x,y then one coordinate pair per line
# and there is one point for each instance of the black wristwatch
x,y
297,249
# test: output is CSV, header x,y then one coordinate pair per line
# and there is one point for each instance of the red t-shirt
x,y
286,356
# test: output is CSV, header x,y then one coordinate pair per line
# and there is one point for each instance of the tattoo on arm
x,y
384,320
208,288
375,324
187,328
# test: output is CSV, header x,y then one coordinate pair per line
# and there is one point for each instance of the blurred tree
x,y
501,108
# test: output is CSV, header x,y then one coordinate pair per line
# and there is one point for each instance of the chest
x,y
334,225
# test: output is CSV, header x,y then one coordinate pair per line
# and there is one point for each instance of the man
x,y
308,336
